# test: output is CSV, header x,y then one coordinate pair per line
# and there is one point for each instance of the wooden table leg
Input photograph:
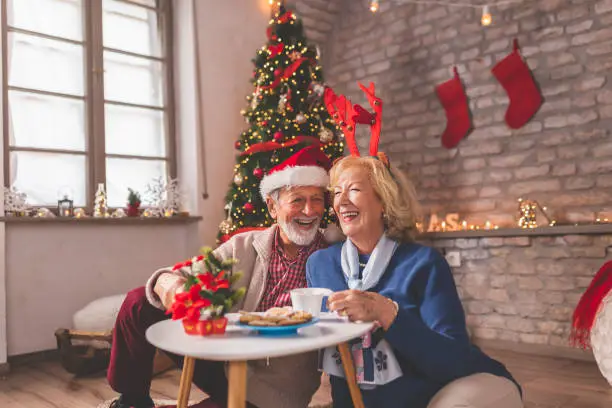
x,y
349,372
237,384
186,379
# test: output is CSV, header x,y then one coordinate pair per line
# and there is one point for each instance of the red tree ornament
x,y
248,208
258,172
278,136
237,145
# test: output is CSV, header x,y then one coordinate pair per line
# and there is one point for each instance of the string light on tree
x,y
486,18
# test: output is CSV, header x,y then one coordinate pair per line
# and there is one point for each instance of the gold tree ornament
x,y
325,135
282,103
227,224
318,89
238,179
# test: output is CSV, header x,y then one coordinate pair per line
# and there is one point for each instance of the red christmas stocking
x,y
453,99
525,98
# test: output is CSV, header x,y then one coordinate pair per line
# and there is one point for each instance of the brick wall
x,y
318,17
519,289
562,158
525,289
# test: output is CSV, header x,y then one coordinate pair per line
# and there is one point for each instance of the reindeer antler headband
x,y
347,116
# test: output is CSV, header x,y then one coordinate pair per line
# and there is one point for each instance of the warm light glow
x,y
374,6
486,17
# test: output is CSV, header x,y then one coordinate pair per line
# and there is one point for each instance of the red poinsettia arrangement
x,y
208,293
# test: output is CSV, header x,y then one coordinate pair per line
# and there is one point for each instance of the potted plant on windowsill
x,y
133,205
207,295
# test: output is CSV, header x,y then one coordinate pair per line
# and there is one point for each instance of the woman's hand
x,y
363,306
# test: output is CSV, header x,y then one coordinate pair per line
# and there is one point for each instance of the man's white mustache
x,y
309,219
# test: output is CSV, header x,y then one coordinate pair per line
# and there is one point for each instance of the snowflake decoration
x,y
15,202
172,200
163,199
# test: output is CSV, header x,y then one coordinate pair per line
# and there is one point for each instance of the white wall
x,y
55,270
230,32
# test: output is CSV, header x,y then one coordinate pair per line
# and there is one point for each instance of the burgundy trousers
x,y
131,363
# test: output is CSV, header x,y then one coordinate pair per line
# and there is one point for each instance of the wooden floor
x,y
547,383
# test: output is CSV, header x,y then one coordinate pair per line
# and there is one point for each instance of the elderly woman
x,y
419,355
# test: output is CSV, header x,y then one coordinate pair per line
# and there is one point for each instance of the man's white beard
x,y
298,236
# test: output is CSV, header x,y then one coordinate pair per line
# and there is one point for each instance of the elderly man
x,y
273,262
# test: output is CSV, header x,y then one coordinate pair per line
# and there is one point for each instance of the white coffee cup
x,y
309,299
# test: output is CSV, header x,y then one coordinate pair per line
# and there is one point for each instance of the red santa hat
x,y
307,167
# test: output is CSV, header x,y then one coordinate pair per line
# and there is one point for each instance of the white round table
x,y
238,345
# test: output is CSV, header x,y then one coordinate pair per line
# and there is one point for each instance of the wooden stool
x,y
84,359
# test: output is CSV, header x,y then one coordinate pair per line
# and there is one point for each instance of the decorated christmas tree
x,y
284,114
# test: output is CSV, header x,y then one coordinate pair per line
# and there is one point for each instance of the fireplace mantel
x,y
591,229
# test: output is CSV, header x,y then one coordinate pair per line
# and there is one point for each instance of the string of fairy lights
x,y
486,18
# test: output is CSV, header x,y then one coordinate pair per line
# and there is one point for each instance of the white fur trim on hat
x,y
294,176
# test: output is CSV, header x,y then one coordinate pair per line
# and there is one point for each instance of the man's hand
x,y
166,287
363,306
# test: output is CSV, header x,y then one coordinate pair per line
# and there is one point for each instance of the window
x,y
87,97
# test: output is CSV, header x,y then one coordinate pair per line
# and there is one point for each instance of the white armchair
x,y
478,391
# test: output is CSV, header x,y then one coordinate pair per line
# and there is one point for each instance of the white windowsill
x,y
102,221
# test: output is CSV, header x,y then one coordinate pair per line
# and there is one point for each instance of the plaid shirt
x,y
286,274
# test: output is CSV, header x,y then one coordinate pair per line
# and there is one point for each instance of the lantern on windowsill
x,y
65,207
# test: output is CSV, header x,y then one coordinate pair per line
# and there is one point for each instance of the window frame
x,y
94,99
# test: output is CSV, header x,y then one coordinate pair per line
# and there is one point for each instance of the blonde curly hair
x,y
396,193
